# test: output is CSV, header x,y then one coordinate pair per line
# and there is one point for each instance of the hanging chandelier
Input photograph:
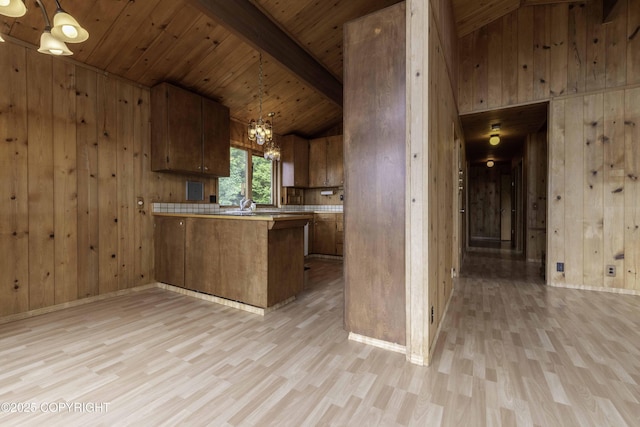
x,y
260,131
65,28
271,148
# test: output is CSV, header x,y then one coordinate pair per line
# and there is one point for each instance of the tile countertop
x,y
249,216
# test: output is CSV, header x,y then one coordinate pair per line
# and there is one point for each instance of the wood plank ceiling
x,y
181,42
152,41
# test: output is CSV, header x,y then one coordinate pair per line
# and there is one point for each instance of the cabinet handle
x,y
181,223
206,168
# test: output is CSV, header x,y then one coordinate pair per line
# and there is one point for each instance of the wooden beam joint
x,y
608,7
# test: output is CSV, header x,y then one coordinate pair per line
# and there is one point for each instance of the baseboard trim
x,y
223,301
386,345
595,288
75,303
206,297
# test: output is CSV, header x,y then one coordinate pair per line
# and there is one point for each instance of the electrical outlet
x,y
560,267
611,270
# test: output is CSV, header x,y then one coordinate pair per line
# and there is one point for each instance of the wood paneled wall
x,y
74,158
590,71
536,185
594,212
546,51
442,176
432,173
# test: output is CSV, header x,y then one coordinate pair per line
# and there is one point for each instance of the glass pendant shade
x,y
66,28
52,46
490,163
260,131
494,140
12,8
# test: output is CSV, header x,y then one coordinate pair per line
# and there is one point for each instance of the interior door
x,y
505,207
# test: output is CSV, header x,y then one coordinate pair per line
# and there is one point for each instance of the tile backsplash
x,y
213,208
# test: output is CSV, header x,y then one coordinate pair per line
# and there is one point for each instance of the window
x,y
261,181
255,183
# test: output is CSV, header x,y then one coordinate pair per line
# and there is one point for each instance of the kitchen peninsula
x,y
255,259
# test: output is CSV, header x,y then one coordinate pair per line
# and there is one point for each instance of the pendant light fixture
x,y
260,131
65,28
271,148
12,8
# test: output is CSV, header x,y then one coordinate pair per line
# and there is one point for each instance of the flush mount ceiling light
x,y
260,131
53,38
495,136
490,163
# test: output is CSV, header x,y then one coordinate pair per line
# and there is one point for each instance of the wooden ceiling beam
x,y
252,26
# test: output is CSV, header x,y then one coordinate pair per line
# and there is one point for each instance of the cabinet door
x,y
335,162
169,239
324,234
215,138
318,162
184,130
295,161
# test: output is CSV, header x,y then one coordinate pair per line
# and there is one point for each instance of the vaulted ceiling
x,y
212,47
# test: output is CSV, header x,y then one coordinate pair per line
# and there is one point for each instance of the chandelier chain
x,y
260,86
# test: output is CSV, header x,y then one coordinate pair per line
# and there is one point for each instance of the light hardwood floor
x,y
512,352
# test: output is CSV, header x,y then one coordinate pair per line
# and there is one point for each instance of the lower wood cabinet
x,y
169,243
327,235
256,262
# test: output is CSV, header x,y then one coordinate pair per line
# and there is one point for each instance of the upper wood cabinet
x,y
189,133
326,162
295,161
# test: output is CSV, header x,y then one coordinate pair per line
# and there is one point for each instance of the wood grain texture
x,y
375,164
551,50
512,351
65,182
593,185
614,180
14,182
632,189
243,261
70,216
40,182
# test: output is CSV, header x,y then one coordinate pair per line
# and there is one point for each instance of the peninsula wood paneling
x,y
71,227
548,50
594,200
